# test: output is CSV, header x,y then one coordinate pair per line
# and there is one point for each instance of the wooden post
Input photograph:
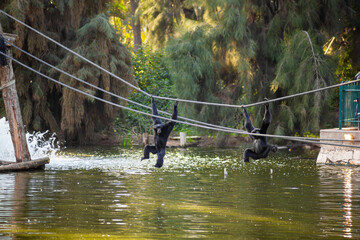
x,y
13,112
182,139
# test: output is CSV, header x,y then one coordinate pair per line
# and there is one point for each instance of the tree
x,y
160,18
152,76
81,26
135,24
301,68
231,51
125,18
258,49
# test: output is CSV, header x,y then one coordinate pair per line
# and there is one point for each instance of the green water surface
x,y
199,193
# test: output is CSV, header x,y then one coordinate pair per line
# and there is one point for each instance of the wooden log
x,y
5,162
13,114
22,166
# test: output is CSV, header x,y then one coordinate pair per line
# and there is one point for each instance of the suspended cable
x,y
300,94
167,98
151,115
108,92
75,53
183,100
144,106
108,72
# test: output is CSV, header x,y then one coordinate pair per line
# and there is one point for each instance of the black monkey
x,y
3,60
260,148
161,134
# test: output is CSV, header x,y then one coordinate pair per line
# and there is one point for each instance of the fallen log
x,y
6,166
5,162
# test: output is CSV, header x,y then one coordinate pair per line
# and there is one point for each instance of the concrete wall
x,y
339,155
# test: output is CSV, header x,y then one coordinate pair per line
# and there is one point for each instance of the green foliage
x,y
195,73
307,134
257,49
191,65
151,73
229,51
86,29
153,77
95,34
346,69
161,18
302,67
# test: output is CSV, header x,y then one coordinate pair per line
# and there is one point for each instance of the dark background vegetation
x,y
224,51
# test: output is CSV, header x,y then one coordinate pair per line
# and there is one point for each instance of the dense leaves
x,y
153,77
229,51
81,26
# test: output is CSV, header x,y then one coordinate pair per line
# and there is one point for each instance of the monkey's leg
x,y
147,150
250,153
160,159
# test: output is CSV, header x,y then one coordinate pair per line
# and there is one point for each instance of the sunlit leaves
x,y
153,77
302,67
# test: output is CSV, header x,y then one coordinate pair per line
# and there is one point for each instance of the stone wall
x,y
339,155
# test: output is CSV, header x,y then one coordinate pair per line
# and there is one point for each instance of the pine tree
x,y
251,43
80,26
301,68
161,18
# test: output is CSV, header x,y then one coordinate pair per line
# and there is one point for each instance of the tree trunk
x,y
13,113
135,24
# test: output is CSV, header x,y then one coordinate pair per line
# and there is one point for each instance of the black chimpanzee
x,y
260,148
3,61
161,134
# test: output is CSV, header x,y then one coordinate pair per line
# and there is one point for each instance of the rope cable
x,y
181,100
108,92
167,98
73,52
144,106
300,94
151,115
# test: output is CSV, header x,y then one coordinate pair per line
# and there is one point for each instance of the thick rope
x,y
73,52
167,98
110,93
301,94
144,106
177,121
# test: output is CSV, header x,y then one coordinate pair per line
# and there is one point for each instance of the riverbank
x,y
192,141
174,141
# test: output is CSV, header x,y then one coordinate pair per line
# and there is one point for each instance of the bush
x,y
153,77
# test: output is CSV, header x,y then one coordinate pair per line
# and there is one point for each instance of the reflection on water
x,y
200,193
347,202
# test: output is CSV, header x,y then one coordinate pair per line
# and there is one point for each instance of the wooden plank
x,y
23,166
5,162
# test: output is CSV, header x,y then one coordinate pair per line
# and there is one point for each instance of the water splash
x,y
40,144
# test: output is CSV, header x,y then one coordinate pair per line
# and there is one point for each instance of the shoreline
x,y
192,141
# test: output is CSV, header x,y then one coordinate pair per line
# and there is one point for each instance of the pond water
x,y
199,193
